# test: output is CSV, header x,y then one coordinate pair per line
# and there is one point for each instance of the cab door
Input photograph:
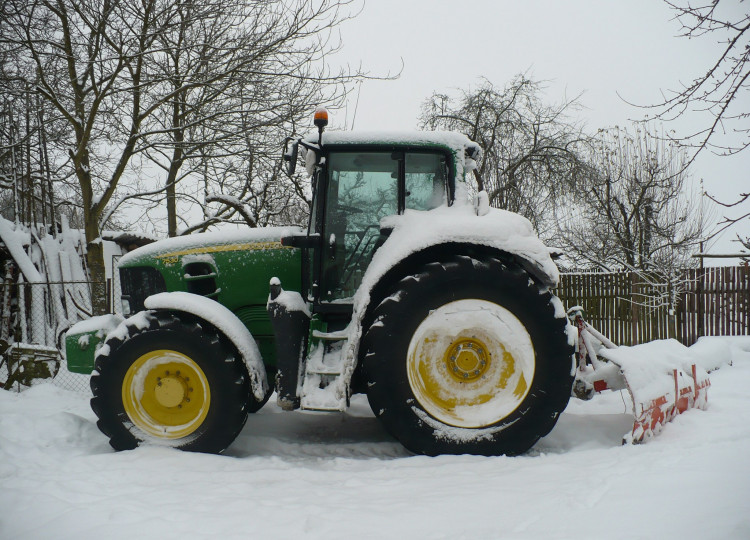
x,y
361,189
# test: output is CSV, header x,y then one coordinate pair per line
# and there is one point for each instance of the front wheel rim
x,y
166,394
470,363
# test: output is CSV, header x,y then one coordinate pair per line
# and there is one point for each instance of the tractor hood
x,y
172,249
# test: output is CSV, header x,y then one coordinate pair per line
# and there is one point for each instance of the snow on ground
x,y
307,475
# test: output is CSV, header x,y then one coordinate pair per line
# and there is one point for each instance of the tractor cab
x,y
357,180
356,189
360,181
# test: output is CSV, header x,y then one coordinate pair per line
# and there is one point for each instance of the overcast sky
x,y
596,48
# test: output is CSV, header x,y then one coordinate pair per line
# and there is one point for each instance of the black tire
x,y
219,407
253,405
413,391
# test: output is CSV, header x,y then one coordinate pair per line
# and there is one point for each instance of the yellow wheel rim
x,y
470,363
166,394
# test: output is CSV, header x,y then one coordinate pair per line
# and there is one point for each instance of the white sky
x,y
597,48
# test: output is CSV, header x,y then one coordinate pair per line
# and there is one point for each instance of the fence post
x,y
109,295
699,294
680,301
633,310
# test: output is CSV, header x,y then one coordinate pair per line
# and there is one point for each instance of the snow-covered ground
x,y
304,475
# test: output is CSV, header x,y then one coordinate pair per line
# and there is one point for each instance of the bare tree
x,y
727,222
240,76
97,63
635,211
720,89
718,93
90,59
26,164
531,150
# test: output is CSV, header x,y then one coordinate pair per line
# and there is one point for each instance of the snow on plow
x,y
660,386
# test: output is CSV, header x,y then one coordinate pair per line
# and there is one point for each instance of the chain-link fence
x,y
33,322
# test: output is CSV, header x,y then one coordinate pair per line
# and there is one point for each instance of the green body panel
x,y
243,271
84,338
79,352
241,265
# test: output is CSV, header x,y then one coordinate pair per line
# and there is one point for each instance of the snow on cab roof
x,y
466,151
450,139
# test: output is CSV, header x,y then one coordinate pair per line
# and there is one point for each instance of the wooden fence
x,y
632,308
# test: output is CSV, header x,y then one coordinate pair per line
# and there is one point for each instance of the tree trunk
x,y
97,273
174,169
171,204
94,248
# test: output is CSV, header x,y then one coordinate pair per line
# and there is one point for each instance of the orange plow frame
x,y
663,409
654,405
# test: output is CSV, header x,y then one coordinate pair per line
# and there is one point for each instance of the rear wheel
x,y
468,357
177,382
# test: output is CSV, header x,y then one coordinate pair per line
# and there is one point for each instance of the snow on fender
x,y
226,321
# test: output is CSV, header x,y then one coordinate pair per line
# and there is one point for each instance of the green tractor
x,y
437,309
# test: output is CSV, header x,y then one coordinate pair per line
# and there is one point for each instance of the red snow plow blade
x,y
660,387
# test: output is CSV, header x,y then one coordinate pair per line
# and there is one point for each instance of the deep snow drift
x,y
328,476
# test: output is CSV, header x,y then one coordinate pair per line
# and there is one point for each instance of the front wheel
x,y
175,382
468,356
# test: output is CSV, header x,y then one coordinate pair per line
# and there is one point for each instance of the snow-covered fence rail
x,y
632,308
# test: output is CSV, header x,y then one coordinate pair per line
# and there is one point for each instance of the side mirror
x,y
301,241
290,155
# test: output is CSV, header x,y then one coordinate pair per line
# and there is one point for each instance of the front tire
x,y
468,356
174,381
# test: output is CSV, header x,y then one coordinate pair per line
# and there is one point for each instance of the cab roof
x,y
451,140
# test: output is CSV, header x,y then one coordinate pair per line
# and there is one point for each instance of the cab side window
x,y
425,181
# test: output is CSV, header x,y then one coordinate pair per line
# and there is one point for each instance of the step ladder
x,y
323,387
